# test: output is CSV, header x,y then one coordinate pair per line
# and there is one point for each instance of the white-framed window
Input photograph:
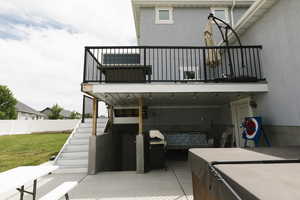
x,y
221,13
189,73
164,15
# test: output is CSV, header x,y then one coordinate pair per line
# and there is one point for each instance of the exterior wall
x,y
102,154
210,121
187,29
223,122
181,119
10,127
28,116
278,32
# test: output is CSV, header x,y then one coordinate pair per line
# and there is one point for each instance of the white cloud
x,y
46,66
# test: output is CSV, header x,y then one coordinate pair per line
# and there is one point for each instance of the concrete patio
x,y
172,184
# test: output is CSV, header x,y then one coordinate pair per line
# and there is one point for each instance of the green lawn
x,y
33,149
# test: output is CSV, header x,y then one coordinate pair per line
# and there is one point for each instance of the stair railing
x,y
67,142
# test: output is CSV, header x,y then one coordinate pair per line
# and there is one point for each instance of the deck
x,y
184,64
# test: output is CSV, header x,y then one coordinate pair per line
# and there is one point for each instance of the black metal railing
x,y
132,64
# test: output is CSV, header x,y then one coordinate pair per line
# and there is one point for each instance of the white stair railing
x,y
67,142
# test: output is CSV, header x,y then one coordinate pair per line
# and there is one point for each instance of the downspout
x,y
232,8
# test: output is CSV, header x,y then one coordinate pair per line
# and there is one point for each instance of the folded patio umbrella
x,y
213,56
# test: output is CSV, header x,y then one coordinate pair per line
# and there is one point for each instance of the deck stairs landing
x,y
73,157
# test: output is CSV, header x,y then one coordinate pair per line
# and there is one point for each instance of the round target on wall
x,y
252,128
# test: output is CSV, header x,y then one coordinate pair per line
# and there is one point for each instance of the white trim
x,y
254,13
174,88
159,21
226,10
184,107
234,105
126,120
169,107
126,107
67,142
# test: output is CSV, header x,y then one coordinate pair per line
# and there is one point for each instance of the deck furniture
x,y
60,191
132,73
157,148
16,179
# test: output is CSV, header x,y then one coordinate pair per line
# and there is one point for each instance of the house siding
x,y
187,29
28,116
278,31
210,121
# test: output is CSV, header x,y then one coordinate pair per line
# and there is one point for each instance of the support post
x,y
140,161
140,116
95,113
110,114
92,159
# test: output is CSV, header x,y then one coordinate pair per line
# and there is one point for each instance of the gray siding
x,y
188,119
278,31
187,29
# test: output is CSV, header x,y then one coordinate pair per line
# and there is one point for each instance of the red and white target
x,y
251,126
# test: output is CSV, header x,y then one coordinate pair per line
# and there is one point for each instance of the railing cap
x,y
173,47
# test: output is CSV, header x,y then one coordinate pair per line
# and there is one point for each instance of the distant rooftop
x,y
64,113
21,107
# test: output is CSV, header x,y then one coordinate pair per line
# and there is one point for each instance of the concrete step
x,y
74,158
76,148
74,155
88,132
72,163
80,136
98,120
90,128
70,170
84,140
100,124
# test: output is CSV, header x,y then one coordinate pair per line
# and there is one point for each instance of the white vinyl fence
x,y
11,127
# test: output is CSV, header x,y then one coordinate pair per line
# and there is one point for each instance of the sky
x,y
42,45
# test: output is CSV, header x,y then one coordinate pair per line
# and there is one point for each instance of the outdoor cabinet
x,y
124,68
128,152
157,156
126,73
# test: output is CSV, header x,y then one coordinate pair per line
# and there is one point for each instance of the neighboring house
x,y
25,112
169,83
66,114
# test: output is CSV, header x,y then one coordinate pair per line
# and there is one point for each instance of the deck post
x,y
110,114
92,158
140,116
140,168
95,113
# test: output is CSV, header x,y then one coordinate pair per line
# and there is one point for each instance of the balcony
x,y
146,64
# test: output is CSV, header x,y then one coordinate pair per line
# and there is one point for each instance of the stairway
x,y
74,154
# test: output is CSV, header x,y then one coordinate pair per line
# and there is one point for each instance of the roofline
x,y
253,14
37,113
44,109
137,4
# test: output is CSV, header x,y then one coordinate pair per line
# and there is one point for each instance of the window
x,y
164,16
126,112
221,13
189,72
187,75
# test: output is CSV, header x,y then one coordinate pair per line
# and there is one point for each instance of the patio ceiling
x,y
171,99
